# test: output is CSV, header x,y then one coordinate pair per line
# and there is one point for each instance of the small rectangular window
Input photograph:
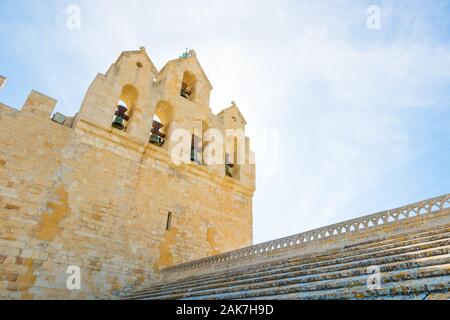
x,y
169,221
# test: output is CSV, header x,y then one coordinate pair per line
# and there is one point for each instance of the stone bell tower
x,y
143,105
136,106
127,82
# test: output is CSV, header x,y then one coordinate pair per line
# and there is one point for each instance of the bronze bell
x,y
156,140
157,137
118,123
120,117
228,171
228,166
156,126
185,93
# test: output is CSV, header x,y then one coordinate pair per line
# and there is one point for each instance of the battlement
x,y
39,104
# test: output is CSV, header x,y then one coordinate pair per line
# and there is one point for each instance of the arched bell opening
x,y
125,106
161,123
188,86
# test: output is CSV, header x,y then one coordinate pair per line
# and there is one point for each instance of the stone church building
x,y
100,191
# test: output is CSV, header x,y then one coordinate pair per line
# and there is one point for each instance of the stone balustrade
x,y
360,224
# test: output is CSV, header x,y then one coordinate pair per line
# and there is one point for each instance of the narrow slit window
x,y
196,150
228,166
169,221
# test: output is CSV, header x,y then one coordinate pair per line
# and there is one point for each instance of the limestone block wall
x,y
96,199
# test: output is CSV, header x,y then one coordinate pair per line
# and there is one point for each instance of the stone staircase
x,y
414,263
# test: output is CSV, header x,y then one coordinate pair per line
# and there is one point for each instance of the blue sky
x,y
363,115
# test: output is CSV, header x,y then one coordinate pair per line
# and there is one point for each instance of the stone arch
x,y
129,95
125,107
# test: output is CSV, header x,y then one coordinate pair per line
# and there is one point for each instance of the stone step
x,y
330,256
418,288
385,256
395,254
432,250
311,275
415,281
316,278
295,278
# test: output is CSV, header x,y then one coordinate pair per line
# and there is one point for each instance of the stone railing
x,y
351,226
